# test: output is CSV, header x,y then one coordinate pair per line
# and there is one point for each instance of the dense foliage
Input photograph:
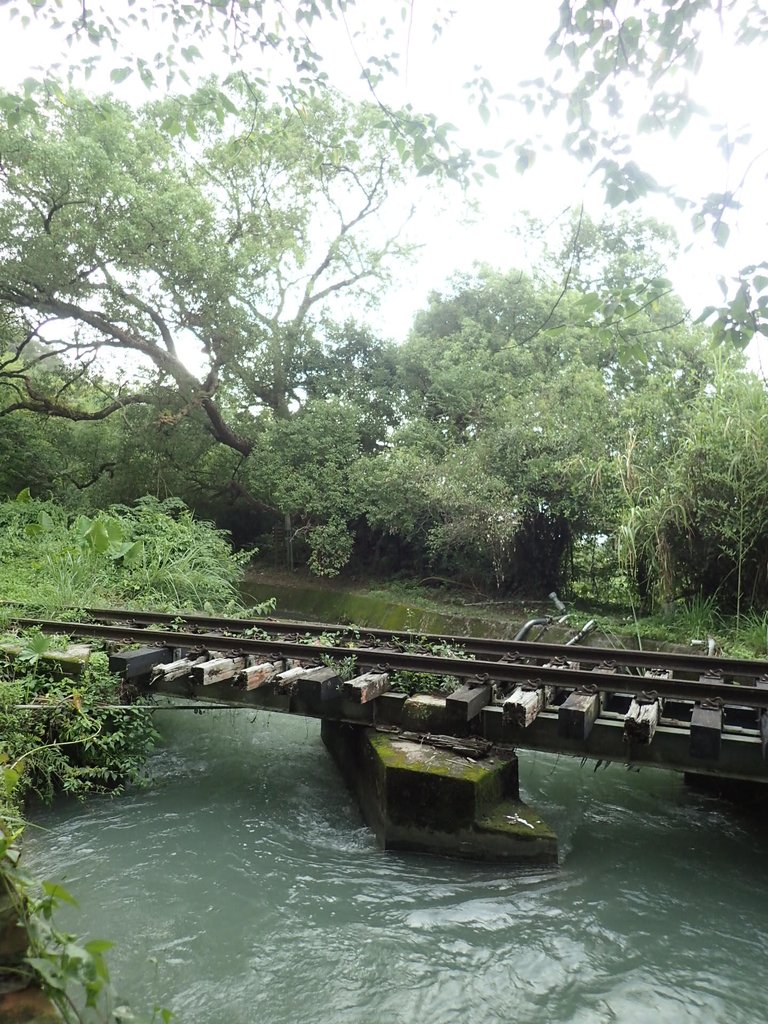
x,y
78,734
155,552
520,440
532,427
695,523
82,732
69,726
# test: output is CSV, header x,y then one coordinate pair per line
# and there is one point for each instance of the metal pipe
x,y
523,632
585,629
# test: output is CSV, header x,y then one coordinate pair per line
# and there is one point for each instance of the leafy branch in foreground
x,y
271,36
602,56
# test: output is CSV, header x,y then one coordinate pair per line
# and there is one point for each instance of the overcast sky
x,y
506,39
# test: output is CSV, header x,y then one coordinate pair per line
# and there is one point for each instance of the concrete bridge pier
x,y
424,798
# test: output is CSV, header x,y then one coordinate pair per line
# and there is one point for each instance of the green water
x,y
341,606
242,887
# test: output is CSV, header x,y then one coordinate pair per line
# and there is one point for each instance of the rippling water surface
x,y
242,887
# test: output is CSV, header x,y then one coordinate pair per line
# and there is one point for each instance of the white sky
x,y
507,38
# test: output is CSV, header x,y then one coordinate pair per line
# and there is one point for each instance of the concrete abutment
x,y
424,799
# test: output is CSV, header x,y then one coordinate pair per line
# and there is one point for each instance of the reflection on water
x,y
242,887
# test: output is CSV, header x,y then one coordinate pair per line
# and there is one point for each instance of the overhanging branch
x,y
37,402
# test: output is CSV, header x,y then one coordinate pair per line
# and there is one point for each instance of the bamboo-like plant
x,y
695,523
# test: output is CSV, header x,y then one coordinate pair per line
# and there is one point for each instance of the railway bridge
x,y
436,771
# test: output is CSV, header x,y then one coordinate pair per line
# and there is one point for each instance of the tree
x,y
361,369
304,468
226,251
268,34
518,399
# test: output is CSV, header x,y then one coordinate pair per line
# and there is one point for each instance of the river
x,y
240,886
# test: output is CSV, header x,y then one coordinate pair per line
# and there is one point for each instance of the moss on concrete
x,y
514,818
398,753
426,799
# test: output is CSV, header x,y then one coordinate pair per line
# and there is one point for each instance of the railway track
x,y
686,712
740,682
484,648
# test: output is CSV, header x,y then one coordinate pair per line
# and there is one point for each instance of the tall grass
x,y
154,554
752,632
698,618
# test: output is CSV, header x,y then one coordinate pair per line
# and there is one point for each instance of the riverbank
x,y
442,596
419,606
410,607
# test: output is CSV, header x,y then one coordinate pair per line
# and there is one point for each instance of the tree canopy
x,y
210,261
597,53
184,289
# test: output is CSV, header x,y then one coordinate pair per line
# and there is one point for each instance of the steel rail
x,y
428,664
747,668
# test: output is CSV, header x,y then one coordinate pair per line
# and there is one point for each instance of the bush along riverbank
x,y
69,726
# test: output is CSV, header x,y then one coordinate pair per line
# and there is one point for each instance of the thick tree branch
x,y
38,402
222,431
144,307
105,467
119,337
237,490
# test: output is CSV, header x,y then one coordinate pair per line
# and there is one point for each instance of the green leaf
x,y
525,158
99,946
119,75
98,537
721,231
24,496
10,780
34,648
59,894
705,314
49,972
114,531
75,952
134,553
82,525
589,303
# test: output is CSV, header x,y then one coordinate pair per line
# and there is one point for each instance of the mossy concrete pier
x,y
423,798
